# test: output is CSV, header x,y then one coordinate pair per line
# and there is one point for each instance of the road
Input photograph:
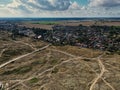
x,y
22,56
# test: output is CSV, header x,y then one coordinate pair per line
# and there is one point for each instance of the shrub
x,y
55,70
53,61
34,80
38,62
20,70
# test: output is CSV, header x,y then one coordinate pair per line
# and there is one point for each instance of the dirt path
x,y
100,75
22,56
40,74
26,44
2,52
73,57
103,70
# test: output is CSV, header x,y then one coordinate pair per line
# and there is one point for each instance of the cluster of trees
x,y
81,34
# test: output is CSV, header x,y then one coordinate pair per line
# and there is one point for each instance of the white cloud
x,y
15,3
59,8
74,5
105,3
41,7
52,5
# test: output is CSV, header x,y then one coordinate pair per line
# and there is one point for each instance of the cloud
x,y
33,6
5,1
23,9
51,5
60,8
104,3
74,6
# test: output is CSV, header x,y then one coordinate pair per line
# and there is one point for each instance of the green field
x,y
45,23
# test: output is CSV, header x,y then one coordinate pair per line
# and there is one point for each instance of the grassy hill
x,y
57,67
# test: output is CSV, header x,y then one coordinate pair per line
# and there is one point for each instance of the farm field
x,y
49,24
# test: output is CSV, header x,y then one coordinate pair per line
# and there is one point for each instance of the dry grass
x,y
79,51
59,68
72,23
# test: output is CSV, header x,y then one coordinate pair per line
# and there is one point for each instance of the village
x,y
94,37
84,53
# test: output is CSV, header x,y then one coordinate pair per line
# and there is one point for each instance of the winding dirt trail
x,y
25,55
26,44
103,70
2,52
100,75
73,57
68,54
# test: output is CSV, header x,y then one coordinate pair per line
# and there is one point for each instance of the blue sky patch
x,y
5,1
60,8
81,2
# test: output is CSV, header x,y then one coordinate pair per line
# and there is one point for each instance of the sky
x,y
59,8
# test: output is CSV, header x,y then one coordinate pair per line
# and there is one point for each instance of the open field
x,y
29,63
45,23
57,67
49,24
90,23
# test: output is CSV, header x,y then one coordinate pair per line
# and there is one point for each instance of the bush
x,y
34,80
24,69
38,62
20,70
4,58
55,70
53,62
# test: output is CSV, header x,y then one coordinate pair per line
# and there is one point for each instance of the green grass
x,y
34,80
46,23
38,62
18,51
4,58
20,70
53,61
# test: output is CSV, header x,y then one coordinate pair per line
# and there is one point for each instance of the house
x,y
27,32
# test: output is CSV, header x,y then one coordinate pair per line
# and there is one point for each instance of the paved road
x,y
15,59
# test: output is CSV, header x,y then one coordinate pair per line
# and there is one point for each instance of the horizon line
x,y
59,17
